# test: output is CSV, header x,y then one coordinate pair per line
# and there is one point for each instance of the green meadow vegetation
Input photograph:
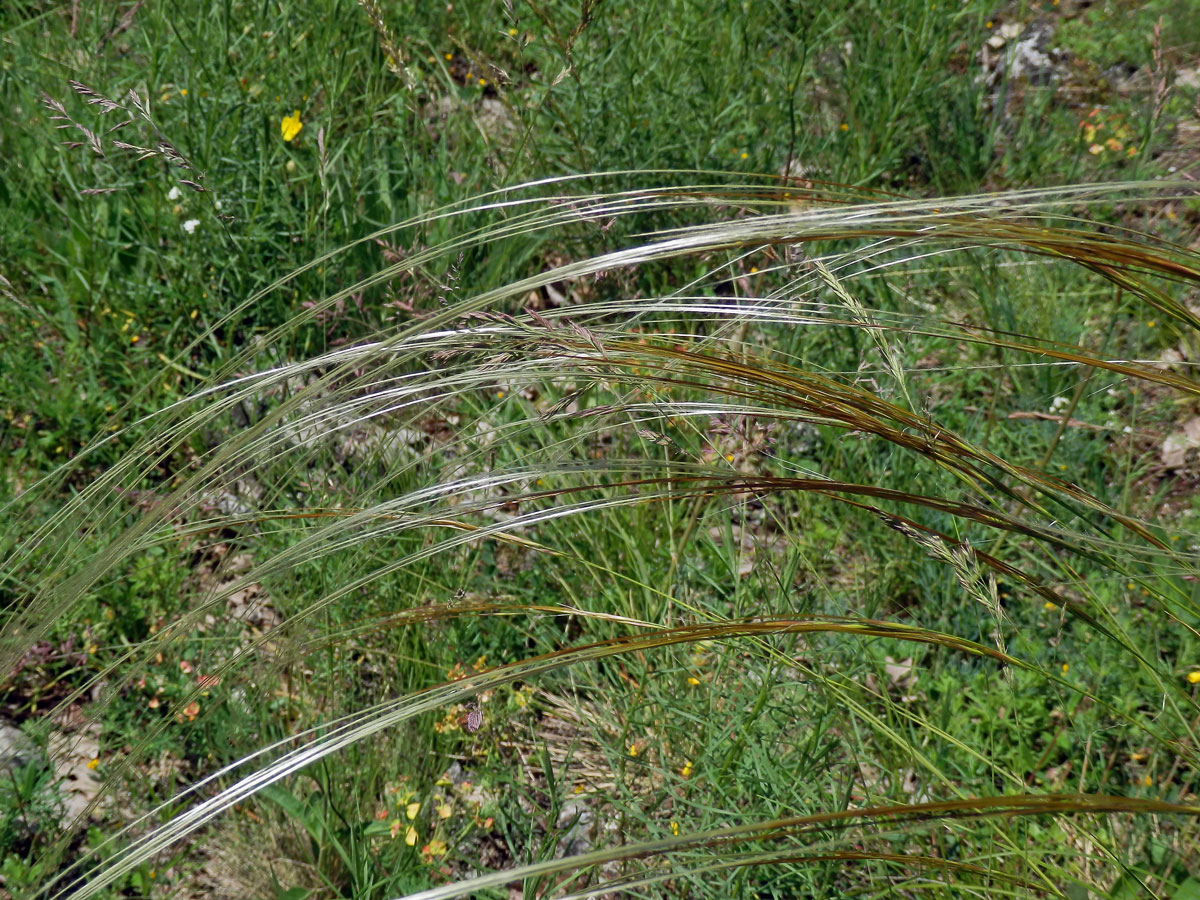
x,y
598,448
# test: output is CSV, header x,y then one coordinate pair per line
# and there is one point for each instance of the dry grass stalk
x,y
161,147
392,53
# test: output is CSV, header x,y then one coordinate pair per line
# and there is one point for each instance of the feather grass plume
x,y
656,368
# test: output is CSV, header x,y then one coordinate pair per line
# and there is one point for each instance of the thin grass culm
x,y
701,560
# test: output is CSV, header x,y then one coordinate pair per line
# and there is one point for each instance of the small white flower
x,y
219,205
190,225
1126,430
1058,403
174,193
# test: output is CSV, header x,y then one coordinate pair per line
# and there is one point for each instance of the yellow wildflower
x,y
1065,666
674,828
291,125
1048,605
95,762
410,836
687,768
1193,677
412,809
693,680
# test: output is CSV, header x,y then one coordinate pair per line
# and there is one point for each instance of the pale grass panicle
x,y
157,146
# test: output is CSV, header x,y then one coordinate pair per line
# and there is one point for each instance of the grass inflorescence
x,y
802,508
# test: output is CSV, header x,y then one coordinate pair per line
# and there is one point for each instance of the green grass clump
x,y
784,513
